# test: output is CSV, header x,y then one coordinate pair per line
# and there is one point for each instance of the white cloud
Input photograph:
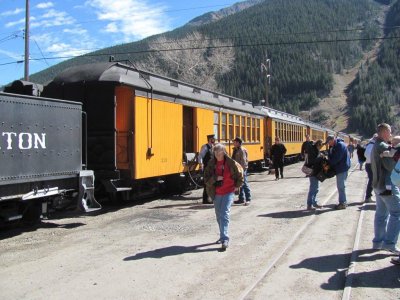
x,y
12,12
15,23
76,31
134,19
12,55
44,5
53,18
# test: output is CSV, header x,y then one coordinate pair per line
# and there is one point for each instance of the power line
x,y
41,53
213,47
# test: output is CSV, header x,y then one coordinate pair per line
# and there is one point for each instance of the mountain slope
x,y
222,13
307,41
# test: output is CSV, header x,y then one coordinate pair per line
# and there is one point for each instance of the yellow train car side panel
x,y
204,119
158,138
256,150
293,147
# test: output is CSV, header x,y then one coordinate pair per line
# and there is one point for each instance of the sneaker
x,y
341,206
238,201
276,179
368,200
386,193
393,250
247,203
377,246
309,207
225,244
395,261
317,206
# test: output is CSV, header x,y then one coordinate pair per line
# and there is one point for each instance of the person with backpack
x,y
205,154
241,156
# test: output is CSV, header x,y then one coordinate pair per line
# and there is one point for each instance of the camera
x,y
218,183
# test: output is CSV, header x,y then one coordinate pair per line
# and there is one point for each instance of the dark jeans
x,y
278,166
368,193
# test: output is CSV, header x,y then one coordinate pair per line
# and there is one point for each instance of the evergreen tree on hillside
x,y
377,87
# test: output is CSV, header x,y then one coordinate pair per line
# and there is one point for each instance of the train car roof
x,y
166,88
280,115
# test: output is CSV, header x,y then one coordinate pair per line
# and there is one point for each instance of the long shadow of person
x,y
339,263
171,251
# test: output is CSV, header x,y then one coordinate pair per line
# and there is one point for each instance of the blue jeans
x,y
341,186
368,192
387,219
222,206
245,189
313,191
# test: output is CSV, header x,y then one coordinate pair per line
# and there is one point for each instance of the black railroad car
x,y
41,152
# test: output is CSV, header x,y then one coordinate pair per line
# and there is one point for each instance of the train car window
x,y
243,126
231,136
291,132
216,125
258,130
249,129
284,132
253,129
223,127
237,126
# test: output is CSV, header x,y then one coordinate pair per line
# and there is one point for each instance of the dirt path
x,y
165,249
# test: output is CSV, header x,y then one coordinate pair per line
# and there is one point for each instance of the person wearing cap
x,y
339,160
240,155
206,153
367,154
278,151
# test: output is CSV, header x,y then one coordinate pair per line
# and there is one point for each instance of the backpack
x,y
395,175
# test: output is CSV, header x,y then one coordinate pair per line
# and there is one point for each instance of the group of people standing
x,y
339,162
223,177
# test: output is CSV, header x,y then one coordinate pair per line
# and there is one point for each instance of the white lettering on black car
x,y
24,140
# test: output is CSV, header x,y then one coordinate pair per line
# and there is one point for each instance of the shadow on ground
x,y
383,278
172,251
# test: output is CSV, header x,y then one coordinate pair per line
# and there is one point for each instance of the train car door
x,y
124,127
188,134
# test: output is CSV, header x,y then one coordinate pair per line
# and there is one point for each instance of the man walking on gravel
x,y
387,213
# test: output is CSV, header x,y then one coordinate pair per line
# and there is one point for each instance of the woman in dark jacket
x,y
278,151
314,162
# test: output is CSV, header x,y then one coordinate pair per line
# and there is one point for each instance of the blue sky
x,y
73,27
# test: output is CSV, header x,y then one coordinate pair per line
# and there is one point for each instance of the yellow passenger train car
x,y
144,130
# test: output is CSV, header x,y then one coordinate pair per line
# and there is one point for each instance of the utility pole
x,y
266,68
26,65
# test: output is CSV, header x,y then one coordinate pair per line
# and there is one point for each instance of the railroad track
x,y
277,260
